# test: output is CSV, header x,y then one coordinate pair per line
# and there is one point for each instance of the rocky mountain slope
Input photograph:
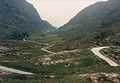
x,y
100,21
18,17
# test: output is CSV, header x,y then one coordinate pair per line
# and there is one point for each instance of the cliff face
x,y
21,17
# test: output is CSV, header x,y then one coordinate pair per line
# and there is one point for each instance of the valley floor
x,y
35,57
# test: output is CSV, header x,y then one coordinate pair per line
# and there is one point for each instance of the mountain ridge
x,y
94,22
21,17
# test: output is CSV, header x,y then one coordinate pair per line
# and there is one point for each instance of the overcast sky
x,y
59,12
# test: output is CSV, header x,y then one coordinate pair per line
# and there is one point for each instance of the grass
x,y
113,53
88,63
49,38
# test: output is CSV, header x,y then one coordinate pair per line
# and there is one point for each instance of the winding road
x,y
11,70
45,49
14,70
97,50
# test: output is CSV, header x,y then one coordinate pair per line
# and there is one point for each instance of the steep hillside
x,y
100,21
19,18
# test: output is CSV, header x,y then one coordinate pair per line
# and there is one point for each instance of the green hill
x,y
19,18
98,22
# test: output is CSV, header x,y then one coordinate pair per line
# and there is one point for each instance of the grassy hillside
x,y
18,18
99,23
